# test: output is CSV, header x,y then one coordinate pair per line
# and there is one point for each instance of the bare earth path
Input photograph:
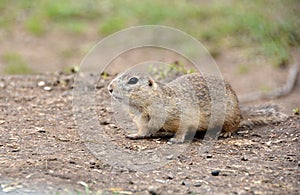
x,y
41,151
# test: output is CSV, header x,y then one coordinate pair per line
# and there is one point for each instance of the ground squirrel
x,y
183,105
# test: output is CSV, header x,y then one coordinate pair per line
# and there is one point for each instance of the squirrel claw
x,y
225,134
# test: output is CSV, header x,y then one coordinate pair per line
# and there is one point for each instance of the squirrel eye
x,y
133,80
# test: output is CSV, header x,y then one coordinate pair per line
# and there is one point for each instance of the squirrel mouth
x,y
116,97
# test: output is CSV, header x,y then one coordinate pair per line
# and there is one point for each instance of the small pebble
x,y
152,190
209,156
170,157
15,150
105,123
170,176
83,183
215,172
40,130
47,88
30,161
244,158
63,139
41,83
160,181
2,85
112,126
72,162
197,184
74,69
56,82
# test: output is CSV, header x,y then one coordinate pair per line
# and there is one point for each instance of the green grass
x,y
35,26
269,26
112,25
15,64
296,111
251,24
75,27
70,9
242,69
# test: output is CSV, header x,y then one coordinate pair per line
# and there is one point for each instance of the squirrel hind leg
x,y
228,131
230,127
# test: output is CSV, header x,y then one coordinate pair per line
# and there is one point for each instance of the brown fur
x,y
183,105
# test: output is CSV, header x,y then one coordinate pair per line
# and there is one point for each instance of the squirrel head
x,y
133,88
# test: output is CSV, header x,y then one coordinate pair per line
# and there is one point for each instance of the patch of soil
x,y
42,152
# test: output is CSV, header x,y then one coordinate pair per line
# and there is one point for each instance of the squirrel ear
x,y
152,83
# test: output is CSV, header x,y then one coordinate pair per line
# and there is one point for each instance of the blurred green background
x,y
52,35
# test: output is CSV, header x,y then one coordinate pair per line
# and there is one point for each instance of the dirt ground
x,y
41,151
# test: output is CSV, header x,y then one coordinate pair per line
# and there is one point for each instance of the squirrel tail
x,y
261,115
